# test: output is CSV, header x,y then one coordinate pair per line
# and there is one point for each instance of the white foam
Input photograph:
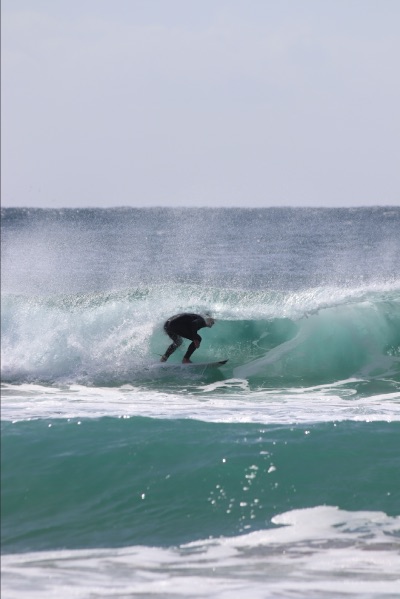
x,y
225,401
320,551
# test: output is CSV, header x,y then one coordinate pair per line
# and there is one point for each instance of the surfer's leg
x,y
177,341
190,350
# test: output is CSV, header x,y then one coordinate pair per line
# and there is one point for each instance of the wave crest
x,y
314,335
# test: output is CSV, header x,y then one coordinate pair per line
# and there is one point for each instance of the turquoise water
x,y
278,472
279,338
114,482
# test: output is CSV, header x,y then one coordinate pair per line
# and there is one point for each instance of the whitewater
x,y
274,475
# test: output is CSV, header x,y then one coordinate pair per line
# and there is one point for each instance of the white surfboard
x,y
192,364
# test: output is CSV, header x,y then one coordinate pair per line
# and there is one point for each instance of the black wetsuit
x,y
183,325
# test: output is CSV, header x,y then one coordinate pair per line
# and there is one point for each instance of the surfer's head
x,y
209,320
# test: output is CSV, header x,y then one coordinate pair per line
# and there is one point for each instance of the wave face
x,y
270,338
118,482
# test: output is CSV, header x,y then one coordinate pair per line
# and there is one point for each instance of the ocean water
x,y
276,475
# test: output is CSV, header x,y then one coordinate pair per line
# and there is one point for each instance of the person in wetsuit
x,y
185,325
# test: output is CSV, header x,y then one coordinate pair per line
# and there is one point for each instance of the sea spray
x,y
101,338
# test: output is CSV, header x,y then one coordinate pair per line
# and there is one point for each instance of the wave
x,y
355,554
270,337
119,482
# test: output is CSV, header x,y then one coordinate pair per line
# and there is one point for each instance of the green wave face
x,y
115,482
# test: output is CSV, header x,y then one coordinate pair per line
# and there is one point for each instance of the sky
x,y
251,103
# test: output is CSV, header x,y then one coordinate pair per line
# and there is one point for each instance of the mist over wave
x,y
52,252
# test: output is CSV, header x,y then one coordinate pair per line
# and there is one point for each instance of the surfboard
x,y
192,364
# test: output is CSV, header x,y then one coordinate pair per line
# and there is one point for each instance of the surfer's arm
x,y
195,336
197,324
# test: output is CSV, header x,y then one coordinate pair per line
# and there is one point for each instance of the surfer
x,y
185,325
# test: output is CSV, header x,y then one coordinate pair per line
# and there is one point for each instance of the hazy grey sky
x,y
200,102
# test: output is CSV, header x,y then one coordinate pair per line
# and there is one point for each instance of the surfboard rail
x,y
215,363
